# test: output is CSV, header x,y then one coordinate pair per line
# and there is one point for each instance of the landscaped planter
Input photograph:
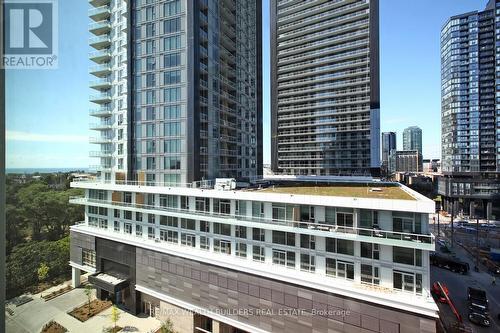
x,y
53,327
82,312
56,293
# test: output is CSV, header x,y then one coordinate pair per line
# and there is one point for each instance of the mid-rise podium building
x,y
176,224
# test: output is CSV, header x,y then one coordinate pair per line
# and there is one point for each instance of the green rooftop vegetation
x,y
355,190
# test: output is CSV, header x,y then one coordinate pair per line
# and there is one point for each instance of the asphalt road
x,y
457,285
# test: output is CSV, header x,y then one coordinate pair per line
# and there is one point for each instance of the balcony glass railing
x,y
101,25
104,39
100,68
319,226
99,12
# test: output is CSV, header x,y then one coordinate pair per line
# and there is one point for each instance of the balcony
x,y
100,42
101,112
100,84
100,28
100,153
323,229
100,98
100,167
100,139
99,3
99,13
103,125
101,70
100,56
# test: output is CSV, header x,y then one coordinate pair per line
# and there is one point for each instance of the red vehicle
x,y
438,292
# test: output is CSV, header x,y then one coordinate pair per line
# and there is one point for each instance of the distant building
x,y
412,138
470,113
406,161
325,87
388,144
431,165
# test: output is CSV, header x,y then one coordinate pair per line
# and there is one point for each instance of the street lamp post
x,y
477,238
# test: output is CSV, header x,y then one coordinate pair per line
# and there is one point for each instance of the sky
x,y
47,110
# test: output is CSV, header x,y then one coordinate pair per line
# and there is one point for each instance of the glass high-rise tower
x,y
412,138
470,110
325,87
179,89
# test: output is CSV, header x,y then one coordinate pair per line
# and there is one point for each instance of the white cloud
x,y
27,136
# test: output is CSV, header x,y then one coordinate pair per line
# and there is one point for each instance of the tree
x,y
167,326
88,293
43,272
115,316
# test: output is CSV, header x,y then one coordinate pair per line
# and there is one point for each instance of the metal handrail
x,y
378,233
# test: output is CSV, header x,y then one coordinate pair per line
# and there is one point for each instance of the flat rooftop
x,y
375,191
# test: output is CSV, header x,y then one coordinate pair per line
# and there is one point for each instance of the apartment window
x,y
405,222
307,242
151,233
150,63
150,130
172,94
345,219
151,218
116,213
150,113
370,250
204,226
258,234
204,243
222,229
188,239
345,246
172,163
307,262
202,204
127,227
345,270
172,112
188,224
150,147
370,274
172,8
240,207
172,60
150,81
172,25
169,201
331,267
97,194
117,226
127,215
307,213
150,163
172,146
184,202
88,258
257,209
172,129
222,206
331,245
169,221
172,43
172,77
284,238
284,258
222,246
241,250
93,221
258,253
138,217
138,230
330,215
407,256
170,236
240,231
407,281
279,212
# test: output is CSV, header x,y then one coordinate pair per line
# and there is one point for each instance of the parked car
x,y
479,319
438,293
478,302
450,263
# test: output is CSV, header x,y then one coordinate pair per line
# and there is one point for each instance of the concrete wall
x,y
212,287
78,242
